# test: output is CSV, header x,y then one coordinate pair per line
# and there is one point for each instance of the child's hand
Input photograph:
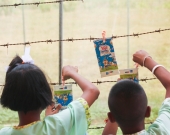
x,y
67,71
136,65
118,79
51,109
139,57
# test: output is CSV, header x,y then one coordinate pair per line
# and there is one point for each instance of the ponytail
x,y
17,60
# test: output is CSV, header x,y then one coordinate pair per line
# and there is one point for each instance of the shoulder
x,y
82,104
166,103
161,124
6,131
74,120
77,109
165,108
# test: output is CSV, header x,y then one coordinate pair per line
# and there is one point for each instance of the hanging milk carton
x,y
106,57
63,94
131,74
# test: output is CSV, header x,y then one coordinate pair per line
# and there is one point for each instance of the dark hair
x,y
26,87
128,103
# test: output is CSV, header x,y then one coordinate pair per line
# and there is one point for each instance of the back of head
x,y
26,87
128,103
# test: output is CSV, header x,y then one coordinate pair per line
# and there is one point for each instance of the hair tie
x,y
26,57
155,67
145,59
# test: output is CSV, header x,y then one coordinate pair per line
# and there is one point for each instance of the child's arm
x,y
90,91
110,128
161,73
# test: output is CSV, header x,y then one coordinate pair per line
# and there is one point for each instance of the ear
x,y
111,117
148,111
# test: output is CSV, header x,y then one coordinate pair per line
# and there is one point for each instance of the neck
x,y
132,130
29,117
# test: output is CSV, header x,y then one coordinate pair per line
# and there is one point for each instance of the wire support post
x,y
60,40
128,53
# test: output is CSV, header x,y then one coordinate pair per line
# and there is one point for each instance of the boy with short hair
x,y
128,103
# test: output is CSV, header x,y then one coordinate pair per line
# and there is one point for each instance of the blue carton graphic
x,y
63,94
106,57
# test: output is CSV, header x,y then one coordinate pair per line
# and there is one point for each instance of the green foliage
x,y
41,7
10,118
10,10
6,10
45,8
116,4
69,6
165,49
167,4
95,131
7,116
143,4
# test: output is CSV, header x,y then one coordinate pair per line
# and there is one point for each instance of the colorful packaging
x,y
106,57
63,94
131,74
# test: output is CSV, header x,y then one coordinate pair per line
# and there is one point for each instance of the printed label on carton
x,y
131,74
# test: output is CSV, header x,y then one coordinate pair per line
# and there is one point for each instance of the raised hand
x,y
68,71
140,56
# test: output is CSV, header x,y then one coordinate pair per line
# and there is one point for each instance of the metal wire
x,y
78,39
36,3
98,82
